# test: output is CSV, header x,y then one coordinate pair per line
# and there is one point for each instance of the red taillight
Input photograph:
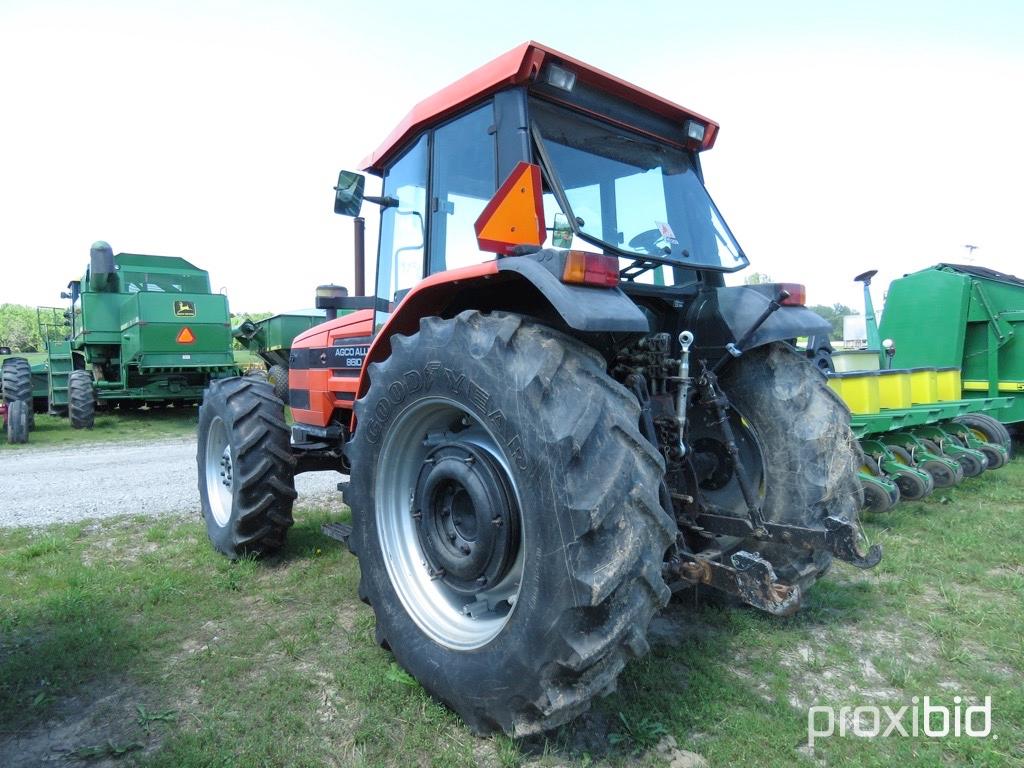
x,y
585,268
797,294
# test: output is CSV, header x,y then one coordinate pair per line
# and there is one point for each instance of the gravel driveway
x,y
51,485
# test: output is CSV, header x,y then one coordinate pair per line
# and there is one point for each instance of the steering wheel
x,y
649,242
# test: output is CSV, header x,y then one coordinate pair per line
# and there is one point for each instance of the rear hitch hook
x,y
841,536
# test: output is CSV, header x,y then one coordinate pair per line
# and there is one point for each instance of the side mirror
x,y
348,195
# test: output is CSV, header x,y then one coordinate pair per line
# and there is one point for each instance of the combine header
x,y
553,412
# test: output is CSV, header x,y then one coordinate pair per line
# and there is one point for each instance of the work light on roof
x,y
695,130
559,77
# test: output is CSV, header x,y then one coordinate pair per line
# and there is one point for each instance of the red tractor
x,y
545,444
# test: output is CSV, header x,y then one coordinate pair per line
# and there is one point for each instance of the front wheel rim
x,y
427,433
219,472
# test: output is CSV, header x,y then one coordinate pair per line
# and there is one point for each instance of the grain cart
x,y
271,339
140,330
542,446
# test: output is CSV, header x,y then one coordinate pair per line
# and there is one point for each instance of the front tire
x,y
81,400
246,468
485,418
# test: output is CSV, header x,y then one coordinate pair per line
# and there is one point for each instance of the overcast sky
x,y
854,136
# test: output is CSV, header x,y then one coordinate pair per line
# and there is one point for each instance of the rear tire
x,y
554,440
17,421
81,400
246,467
810,455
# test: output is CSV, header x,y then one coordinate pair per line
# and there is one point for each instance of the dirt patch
x,y
668,750
1012,571
96,727
116,551
206,636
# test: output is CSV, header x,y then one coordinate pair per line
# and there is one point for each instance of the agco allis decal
x,y
184,309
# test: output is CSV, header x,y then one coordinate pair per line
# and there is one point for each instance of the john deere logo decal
x,y
184,309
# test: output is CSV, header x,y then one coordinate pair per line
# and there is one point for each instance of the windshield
x,y
634,195
159,282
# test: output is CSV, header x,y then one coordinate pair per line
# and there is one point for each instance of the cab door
x,y
463,180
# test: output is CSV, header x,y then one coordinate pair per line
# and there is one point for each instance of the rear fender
x,y
721,316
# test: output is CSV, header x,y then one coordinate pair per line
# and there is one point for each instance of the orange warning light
x,y
515,215
185,336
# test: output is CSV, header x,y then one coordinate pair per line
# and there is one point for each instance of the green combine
x,y
140,330
932,395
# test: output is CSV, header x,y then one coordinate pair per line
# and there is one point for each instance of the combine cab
x,y
140,330
553,412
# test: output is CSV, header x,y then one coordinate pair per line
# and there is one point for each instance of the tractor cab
x,y
543,185
618,174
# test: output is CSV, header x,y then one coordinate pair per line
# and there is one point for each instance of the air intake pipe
x,y
101,266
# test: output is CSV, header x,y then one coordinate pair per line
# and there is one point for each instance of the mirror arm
x,y
383,202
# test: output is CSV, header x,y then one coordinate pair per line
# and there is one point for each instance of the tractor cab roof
x,y
523,65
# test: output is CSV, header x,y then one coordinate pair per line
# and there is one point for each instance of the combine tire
x,y
278,378
17,421
81,400
16,374
809,455
246,468
506,519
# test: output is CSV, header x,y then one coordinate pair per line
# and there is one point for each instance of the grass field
x,y
130,642
110,426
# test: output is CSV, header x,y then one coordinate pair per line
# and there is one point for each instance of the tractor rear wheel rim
x,y
429,517
219,479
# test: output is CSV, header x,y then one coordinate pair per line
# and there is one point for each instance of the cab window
x,y
403,227
464,180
